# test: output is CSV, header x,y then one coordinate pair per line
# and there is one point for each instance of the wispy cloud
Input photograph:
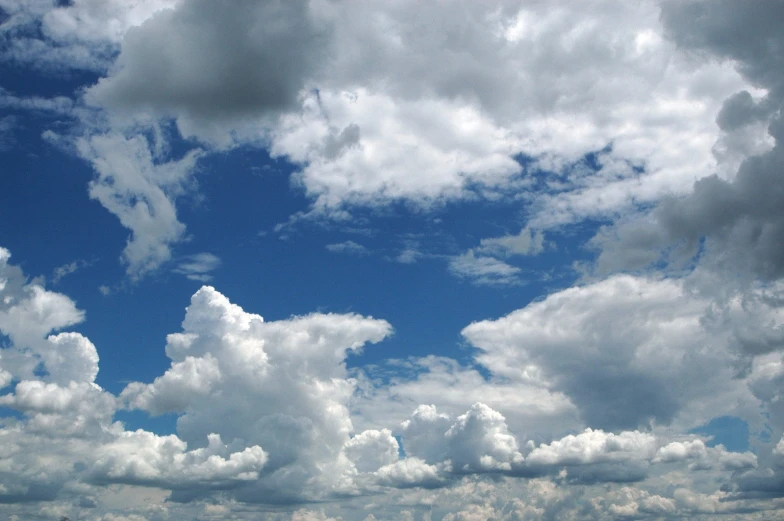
x,y
198,266
349,247
67,269
483,270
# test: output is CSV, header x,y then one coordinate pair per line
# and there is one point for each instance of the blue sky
x,y
515,260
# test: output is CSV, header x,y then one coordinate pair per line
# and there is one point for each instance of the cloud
x,y
280,385
100,21
475,106
198,266
479,440
618,349
372,449
482,265
730,222
142,457
365,135
28,313
7,139
324,85
67,269
455,145
704,457
178,64
594,447
527,242
349,247
410,472
483,270
408,256
274,402
83,34
139,189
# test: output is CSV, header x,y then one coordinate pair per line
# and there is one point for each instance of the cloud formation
x,y
653,127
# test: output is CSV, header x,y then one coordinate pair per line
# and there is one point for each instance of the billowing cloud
x,y
142,457
732,221
280,385
264,415
626,351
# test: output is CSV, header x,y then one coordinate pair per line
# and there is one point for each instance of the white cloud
x,y
272,401
280,385
28,313
67,269
366,135
626,351
527,242
142,457
81,35
198,266
335,98
481,265
451,145
409,472
139,189
479,440
349,247
408,256
594,446
372,449
704,457
424,434
730,222
483,270
100,20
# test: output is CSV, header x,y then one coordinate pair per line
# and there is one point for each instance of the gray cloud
x,y
733,223
206,60
618,349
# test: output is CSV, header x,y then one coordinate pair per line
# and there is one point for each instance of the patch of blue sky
x,y
730,431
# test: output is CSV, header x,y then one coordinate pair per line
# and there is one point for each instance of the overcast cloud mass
x,y
343,260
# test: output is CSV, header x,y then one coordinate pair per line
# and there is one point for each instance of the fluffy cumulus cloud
x,y
626,351
142,457
66,433
263,412
280,385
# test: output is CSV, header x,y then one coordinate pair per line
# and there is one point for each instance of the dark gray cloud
x,y
216,60
748,32
735,223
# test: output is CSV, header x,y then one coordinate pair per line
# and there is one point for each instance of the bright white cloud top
x,y
520,260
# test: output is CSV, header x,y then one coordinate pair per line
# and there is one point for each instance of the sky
x,y
343,260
